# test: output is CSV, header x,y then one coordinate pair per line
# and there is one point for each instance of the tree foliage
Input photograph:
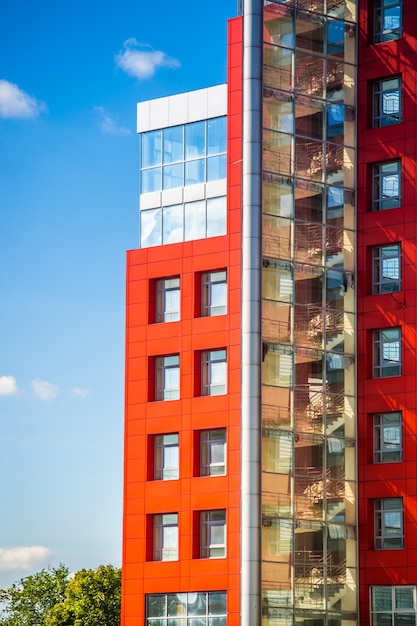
x,y
30,601
53,598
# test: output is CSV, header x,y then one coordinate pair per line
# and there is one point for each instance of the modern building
x,y
270,437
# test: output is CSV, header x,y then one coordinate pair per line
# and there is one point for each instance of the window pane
x,y
173,144
151,148
216,167
216,135
151,180
172,176
195,220
150,228
195,141
172,220
216,216
195,172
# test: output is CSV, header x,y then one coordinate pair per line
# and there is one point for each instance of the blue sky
x,y
71,73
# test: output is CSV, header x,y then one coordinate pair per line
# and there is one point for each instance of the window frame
x,y
381,116
383,534
378,611
383,449
164,522
163,445
162,368
380,34
381,281
208,440
381,202
209,281
164,288
208,607
208,361
381,349
209,521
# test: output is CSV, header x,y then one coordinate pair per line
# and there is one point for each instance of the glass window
x,y
389,524
166,457
172,176
209,607
387,437
150,228
195,140
387,20
150,180
195,220
167,300
212,534
386,269
213,452
386,190
151,149
216,135
173,144
387,352
172,223
387,102
213,372
195,171
167,377
165,537
216,167
213,293
216,216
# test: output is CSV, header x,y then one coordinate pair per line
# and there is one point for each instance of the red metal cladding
x,y
146,417
392,142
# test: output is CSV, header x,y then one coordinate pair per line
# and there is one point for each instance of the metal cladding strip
x,y
251,315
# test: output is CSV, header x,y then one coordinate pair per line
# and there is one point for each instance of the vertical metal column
x,y
251,315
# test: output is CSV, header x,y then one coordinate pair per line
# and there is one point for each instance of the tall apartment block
x,y
271,371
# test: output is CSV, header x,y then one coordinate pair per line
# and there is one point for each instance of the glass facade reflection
x,y
308,314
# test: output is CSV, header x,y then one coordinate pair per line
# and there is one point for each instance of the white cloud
x,y
23,558
44,390
79,392
16,103
109,125
8,386
142,61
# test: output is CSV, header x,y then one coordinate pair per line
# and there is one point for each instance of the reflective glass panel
x,y
172,223
150,227
195,220
173,141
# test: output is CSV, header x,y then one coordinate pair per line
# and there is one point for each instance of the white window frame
x,y
165,446
386,185
389,604
210,361
386,268
209,282
211,441
210,523
165,289
167,367
388,437
389,523
387,350
207,608
387,102
165,537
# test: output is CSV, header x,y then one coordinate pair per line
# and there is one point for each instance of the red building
x,y
270,472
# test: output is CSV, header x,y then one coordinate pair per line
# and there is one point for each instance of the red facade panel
x,y
391,310
146,417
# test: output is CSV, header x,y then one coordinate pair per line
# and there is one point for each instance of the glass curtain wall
x,y
308,314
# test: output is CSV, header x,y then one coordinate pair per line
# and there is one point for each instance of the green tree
x,y
53,598
30,601
92,599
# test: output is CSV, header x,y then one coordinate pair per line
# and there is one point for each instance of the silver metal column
x,y
251,315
